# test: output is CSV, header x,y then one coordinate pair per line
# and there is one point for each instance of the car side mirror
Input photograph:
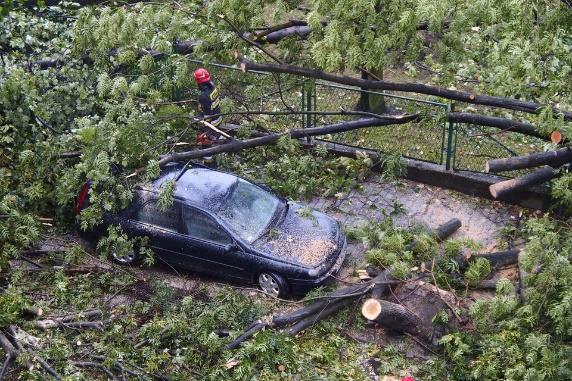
x,y
265,187
230,247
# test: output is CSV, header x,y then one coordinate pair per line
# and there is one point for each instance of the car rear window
x,y
151,214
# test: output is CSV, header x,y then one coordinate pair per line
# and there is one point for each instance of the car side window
x,y
201,226
169,219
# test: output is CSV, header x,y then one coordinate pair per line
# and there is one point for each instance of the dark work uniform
x,y
210,102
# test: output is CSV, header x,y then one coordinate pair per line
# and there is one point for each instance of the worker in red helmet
x,y
210,105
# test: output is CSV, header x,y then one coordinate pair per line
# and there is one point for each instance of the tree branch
x,y
457,95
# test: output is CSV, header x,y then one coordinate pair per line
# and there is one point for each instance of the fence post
x,y
303,105
308,104
450,136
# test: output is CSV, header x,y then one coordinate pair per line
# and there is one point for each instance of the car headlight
x,y
313,272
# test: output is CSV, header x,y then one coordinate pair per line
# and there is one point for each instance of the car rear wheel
x,y
273,284
125,258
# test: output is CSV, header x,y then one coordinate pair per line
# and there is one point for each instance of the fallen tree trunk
x,y
500,123
238,145
49,323
10,352
179,47
392,315
302,31
301,28
551,158
442,232
311,309
304,317
496,259
81,3
260,36
457,95
500,258
537,177
309,321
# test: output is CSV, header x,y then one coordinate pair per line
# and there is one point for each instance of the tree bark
x,y
391,315
551,158
457,95
500,123
508,186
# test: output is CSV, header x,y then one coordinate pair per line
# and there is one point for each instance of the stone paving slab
x,y
481,219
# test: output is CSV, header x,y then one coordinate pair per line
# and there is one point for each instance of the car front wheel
x,y
273,284
125,258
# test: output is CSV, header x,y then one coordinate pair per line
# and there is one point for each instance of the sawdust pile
x,y
305,252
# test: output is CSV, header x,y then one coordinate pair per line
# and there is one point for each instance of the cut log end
x,y
556,137
487,167
371,309
494,191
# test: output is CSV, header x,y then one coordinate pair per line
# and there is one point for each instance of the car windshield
x,y
249,210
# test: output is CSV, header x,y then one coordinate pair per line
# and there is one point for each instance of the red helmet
x,y
202,75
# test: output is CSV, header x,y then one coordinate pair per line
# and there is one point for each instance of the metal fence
x,y
432,138
474,145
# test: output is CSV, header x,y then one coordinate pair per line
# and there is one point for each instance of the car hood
x,y
302,238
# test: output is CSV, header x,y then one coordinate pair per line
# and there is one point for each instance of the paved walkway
x,y
426,204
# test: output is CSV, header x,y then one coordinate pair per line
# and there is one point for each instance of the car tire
x,y
126,259
272,284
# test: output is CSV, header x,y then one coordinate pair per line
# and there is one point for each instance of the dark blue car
x,y
226,226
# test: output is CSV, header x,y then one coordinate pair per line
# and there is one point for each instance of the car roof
x,y
203,187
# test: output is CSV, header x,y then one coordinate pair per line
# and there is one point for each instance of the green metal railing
x,y
475,144
421,140
432,138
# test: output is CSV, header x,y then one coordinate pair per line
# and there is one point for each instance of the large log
x,y
447,229
309,321
551,158
500,258
294,134
391,315
539,176
496,259
325,306
497,122
311,309
420,88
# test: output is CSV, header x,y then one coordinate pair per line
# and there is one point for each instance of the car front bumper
x,y
302,286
